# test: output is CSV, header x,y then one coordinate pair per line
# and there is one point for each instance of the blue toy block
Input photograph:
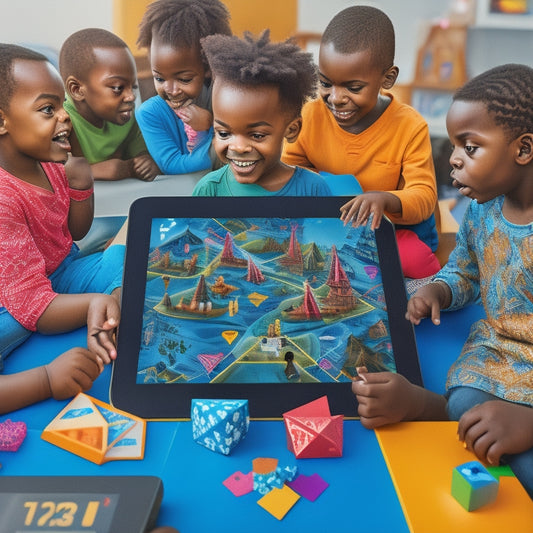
x,y
473,486
219,425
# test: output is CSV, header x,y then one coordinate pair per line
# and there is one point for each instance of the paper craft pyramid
x,y
312,432
219,425
97,431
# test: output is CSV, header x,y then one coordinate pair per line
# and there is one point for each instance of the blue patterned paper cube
x,y
219,425
473,485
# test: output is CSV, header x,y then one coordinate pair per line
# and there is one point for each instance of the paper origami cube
x,y
312,432
473,485
219,425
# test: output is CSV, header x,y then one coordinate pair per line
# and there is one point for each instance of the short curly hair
x,y
254,61
9,53
507,92
182,23
76,57
361,28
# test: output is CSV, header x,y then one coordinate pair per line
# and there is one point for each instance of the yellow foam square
x,y
278,502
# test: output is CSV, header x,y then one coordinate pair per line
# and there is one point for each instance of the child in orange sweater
x,y
356,129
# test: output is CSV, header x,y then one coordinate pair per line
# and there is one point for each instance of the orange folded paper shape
x,y
312,432
97,431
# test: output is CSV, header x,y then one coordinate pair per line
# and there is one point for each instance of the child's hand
x,y
196,117
145,168
495,428
384,398
369,204
428,301
103,316
72,372
79,173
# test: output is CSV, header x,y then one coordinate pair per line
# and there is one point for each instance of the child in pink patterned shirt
x,y
45,204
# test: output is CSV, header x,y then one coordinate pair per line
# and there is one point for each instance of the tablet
x,y
269,299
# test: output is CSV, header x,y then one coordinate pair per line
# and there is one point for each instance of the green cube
x,y
473,486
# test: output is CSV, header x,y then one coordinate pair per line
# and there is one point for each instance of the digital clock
x,y
79,504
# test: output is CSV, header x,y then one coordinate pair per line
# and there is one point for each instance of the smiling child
x,y
45,203
177,122
258,91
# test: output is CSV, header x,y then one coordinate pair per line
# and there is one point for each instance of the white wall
x,y
50,22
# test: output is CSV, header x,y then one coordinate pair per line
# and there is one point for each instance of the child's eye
x,y
117,89
469,149
47,109
221,134
258,136
159,79
325,84
185,80
355,90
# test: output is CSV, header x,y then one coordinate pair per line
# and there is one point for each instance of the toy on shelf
x,y
473,486
97,431
219,425
12,434
312,431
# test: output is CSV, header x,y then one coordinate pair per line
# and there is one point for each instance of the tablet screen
x,y
229,303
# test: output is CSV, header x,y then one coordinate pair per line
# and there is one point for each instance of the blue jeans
x,y
98,272
460,400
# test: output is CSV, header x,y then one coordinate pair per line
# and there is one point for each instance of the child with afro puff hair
x,y
259,88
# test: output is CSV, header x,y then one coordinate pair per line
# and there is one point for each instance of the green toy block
x,y
473,486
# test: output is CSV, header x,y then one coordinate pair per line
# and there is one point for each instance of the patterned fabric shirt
x,y
493,260
35,239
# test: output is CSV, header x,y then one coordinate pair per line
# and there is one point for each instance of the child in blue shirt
x,y
259,89
177,122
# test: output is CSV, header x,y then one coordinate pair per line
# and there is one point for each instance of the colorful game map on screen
x,y
262,300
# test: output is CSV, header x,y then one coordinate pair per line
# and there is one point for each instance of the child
x,y
43,206
258,92
356,129
490,386
100,79
177,122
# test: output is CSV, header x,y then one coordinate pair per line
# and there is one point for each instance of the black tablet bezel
x,y
266,400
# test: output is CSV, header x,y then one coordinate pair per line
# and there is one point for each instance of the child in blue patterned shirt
x,y
490,386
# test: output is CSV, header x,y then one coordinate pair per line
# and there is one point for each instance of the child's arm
x,y
81,210
386,398
71,372
166,140
495,428
100,312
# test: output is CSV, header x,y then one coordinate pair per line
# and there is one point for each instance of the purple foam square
x,y
310,487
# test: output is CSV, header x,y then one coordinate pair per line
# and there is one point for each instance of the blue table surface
x,y
360,496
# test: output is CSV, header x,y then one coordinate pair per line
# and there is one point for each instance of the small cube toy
x,y
219,425
473,486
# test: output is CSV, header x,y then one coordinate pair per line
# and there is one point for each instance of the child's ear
x,y
75,88
3,128
293,130
390,77
525,149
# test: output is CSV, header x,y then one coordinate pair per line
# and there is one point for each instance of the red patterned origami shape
x,y
312,432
